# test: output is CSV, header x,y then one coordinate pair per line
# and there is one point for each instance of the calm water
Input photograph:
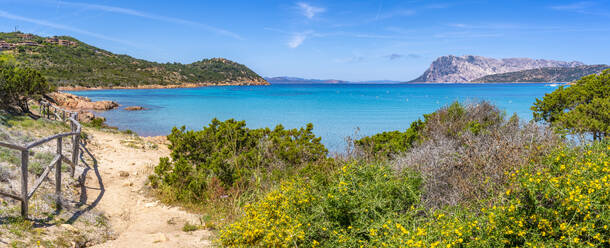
x,y
336,111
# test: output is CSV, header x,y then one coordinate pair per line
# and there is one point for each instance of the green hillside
x,y
69,62
548,74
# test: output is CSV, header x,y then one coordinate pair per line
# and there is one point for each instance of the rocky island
x,y
469,68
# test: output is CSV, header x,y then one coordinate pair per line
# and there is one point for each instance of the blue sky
x,y
349,40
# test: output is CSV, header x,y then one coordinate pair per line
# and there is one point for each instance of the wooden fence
x,y
47,111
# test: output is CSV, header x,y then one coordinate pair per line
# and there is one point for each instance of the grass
x,y
35,128
188,227
38,164
10,156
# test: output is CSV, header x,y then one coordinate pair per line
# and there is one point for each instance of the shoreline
x,y
159,86
486,83
201,85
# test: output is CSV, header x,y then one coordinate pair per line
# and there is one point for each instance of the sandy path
x,y
139,220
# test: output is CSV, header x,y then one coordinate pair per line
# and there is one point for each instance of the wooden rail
x,y
48,111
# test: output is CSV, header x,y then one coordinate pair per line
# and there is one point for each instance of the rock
x,y
134,108
87,116
454,69
123,173
150,204
69,227
74,102
161,238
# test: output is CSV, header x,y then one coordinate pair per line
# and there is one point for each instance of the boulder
x,y
134,108
74,102
87,116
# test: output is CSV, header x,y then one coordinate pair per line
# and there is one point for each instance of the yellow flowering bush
x,y
566,203
274,221
338,212
562,201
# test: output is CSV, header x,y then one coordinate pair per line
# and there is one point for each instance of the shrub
x,y
309,213
20,84
559,201
386,144
228,156
456,119
97,122
584,107
188,227
466,151
450,121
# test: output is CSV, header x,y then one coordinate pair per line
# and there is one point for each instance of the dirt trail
x,y
138,220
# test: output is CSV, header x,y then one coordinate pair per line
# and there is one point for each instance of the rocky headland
x,y
82,105
463,69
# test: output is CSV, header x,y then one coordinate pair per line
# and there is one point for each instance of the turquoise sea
x,y
337,111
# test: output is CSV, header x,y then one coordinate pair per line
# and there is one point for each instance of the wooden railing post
x,y
58,177
75,145
24,183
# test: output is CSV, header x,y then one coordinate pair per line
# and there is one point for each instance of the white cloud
x,y
310,11
297,40
136,13
586,8
573,6
10,16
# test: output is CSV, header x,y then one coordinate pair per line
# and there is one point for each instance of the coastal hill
x,y
68,62
454,69
547,74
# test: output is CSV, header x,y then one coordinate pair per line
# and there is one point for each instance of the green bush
x,y
229,157
308,213
386,144
560,202
584,107
97,122
450,121
19,84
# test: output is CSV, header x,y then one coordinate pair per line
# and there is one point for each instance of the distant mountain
x,y
296,80
378,82
66,61
547,74
454,69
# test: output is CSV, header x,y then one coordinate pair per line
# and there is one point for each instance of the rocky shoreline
x,y
82,105
159,86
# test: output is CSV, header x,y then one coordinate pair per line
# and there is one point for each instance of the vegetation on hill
x,y
20,84
581,108
88,66
547,74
